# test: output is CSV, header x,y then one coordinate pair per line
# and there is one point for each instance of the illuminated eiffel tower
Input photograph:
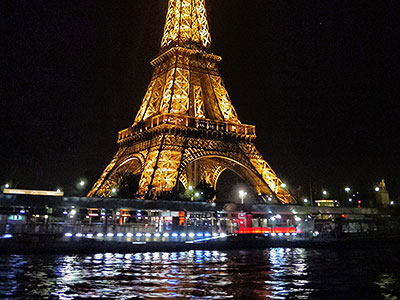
x,y
186,129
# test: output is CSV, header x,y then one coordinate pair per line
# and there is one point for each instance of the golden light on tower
x,y
187,129
186,24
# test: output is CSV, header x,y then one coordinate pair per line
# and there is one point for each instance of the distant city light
x,y
190,188
391,202
113,190
377,189
197,194
73,212
82,183
325,193
347,189
305,200
6,185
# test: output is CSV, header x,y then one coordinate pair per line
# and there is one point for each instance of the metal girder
x,y
186,24
187,128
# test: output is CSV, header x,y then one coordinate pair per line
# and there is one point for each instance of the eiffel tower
x,y
187,129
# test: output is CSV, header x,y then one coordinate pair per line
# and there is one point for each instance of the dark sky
x,y
318,78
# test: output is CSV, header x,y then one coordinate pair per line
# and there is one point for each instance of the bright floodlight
x,y
82,183
377,189
347,189
242,194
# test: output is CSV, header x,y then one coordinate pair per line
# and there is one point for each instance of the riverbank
x,y
53,244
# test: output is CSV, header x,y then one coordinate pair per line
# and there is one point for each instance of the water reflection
x,y
269,274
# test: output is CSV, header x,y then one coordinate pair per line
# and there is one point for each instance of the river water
x,y
275,273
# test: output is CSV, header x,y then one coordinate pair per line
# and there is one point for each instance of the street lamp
x,y
347,189
324,193
283,185
242,194
82,183
377,189
6,185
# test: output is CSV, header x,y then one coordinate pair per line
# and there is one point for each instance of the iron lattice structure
x,y
187,129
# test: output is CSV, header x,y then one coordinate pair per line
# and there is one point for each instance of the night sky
x,y
319,79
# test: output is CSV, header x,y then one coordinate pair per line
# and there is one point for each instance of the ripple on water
x,y
270,274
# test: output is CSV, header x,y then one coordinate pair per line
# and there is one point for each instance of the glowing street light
x,y
347,189
377,189
242,194
82,183
283,185
6,185
197,194
324,193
